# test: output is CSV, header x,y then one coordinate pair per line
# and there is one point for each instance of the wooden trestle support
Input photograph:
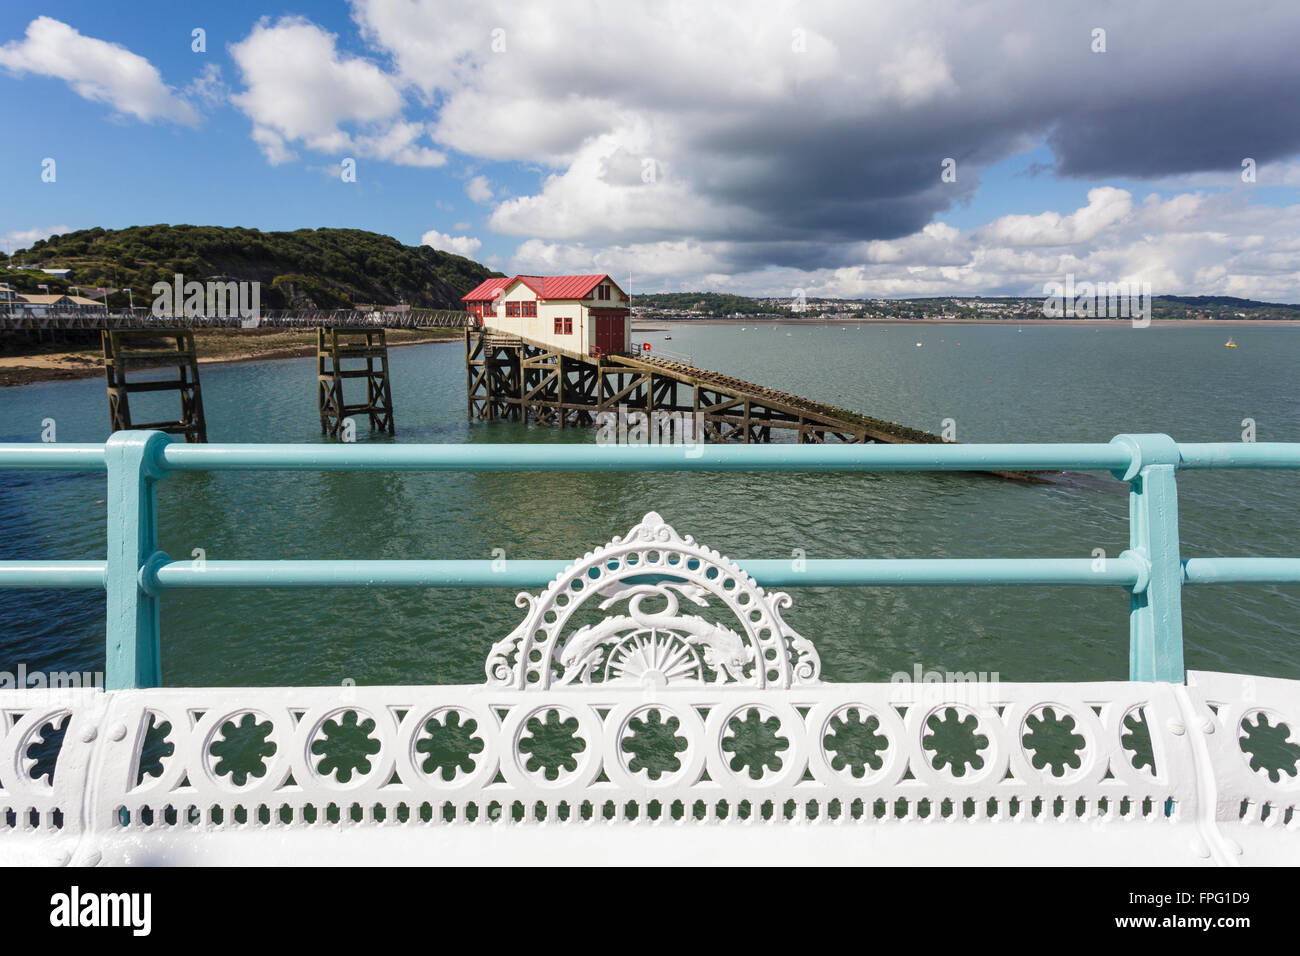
x,y
512,378
334,347
140,350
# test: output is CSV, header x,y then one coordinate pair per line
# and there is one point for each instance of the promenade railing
x,y
136,575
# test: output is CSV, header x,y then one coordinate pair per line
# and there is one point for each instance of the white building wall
x,y
549,311
541,328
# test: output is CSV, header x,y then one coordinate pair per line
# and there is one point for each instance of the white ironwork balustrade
x,y
654,706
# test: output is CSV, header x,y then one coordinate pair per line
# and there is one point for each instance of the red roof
x,y
569,287
486,290
546,287
536,283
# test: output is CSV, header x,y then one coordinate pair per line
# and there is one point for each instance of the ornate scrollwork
x,y
651,569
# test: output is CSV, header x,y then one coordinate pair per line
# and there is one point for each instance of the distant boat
x,y
668,338
918,345
1230,344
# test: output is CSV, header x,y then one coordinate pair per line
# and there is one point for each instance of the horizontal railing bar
x,y
1265,454
817,572
532,457
51,456
587,457
1241,571
53,574
833,572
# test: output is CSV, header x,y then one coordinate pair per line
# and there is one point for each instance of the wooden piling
x,y
350,353
138,350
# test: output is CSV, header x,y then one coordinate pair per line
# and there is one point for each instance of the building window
x,y
512,310
563,326
568,326
528,309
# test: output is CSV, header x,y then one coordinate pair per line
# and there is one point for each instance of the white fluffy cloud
x,y
97,70
460,245
300,89
478,189
1189,243
765,142
765,146
1106,206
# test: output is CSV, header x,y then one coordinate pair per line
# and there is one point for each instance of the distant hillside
x,y
1176,305
706,304
308,268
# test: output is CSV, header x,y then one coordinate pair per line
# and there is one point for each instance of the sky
x,y
851,149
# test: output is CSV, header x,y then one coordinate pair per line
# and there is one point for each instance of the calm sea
x,y
997,383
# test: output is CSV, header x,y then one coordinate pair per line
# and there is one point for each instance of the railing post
x,y
1156,611
131,634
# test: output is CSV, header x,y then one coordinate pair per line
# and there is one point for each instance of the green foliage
x,y
322,268
708,303
1219,307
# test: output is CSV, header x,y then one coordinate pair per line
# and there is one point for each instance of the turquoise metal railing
x,y
136,574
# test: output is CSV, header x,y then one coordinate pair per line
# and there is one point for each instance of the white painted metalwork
x,y
655,735
652,562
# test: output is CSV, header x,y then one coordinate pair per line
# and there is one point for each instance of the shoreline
x,y
74,364
1118,323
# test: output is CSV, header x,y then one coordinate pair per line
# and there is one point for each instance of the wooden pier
x,y
350,353
512,378
508,377
141,350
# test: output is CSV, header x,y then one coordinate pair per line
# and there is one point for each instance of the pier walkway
x,y
509,377
513,377
757,409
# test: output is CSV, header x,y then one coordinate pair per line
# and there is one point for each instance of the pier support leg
x,y
335,347
139,349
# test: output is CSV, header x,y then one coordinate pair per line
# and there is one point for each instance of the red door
x,y
609,335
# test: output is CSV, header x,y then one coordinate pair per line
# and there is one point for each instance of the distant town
x,y
713,305
108,270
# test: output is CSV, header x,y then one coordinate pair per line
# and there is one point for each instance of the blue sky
x,y
748,147
114,171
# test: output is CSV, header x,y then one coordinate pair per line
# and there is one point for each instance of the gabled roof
x,y
545,287
486,290
569,287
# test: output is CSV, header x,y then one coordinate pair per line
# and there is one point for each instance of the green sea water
x,y
996,382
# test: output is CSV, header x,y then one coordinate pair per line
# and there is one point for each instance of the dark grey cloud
x,y
788,156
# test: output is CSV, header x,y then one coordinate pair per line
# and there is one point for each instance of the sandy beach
x,y
50,362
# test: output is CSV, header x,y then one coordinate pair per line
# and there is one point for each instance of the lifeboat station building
x,y
589,315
